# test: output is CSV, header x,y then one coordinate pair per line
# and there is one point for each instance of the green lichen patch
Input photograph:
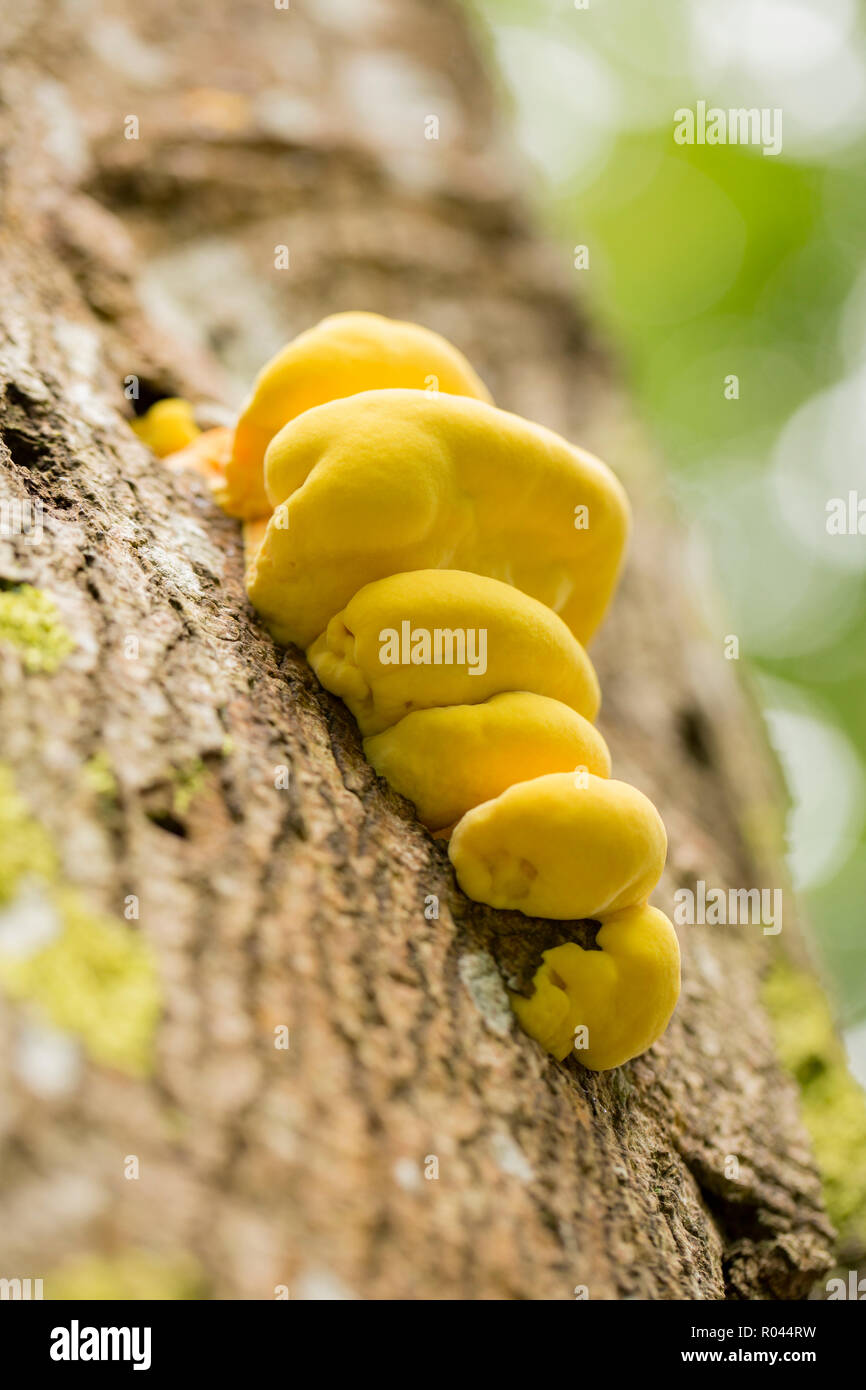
x,y
131,1275
99,776
98,980
30,622
832,1103
188,782
25,848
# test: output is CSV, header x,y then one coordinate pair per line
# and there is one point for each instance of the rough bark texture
x,y
305,906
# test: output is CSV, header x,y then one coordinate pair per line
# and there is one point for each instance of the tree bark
x,y
152,766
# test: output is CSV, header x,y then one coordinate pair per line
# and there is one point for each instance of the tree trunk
x,y
410,1141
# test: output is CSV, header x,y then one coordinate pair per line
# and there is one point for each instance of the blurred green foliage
x,y
712,260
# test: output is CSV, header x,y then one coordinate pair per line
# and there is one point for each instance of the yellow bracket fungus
x,y
169,429
564,846
254,534
448,760
445,637
208,454
441,562
342,355
618,998
168,426
389,481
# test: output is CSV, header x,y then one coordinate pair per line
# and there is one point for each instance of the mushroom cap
x,y
340,356
206,454
448,760
253,535
623,993
168,426
562,846
525,647
389,481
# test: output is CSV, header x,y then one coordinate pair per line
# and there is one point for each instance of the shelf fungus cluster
x,y
419,544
